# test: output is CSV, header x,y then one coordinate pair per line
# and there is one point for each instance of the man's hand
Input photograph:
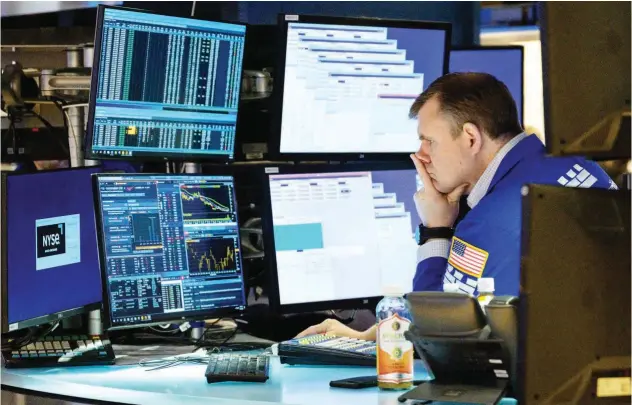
x,y
335,327
434,208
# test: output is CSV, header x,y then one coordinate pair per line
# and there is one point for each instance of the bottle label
x,y
395,353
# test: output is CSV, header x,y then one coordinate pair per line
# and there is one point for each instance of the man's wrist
x,y
369,334
427,233
439,224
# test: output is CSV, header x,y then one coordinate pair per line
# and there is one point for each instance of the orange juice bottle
x,y
394,352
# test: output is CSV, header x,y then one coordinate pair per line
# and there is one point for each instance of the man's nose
x,y
422,154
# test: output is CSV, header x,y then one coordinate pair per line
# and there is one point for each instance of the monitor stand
x,y
197,330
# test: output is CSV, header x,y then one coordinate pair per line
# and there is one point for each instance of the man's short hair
x,y
477,98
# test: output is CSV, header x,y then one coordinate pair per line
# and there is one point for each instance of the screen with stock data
x,y
170,246
343,235
164,86
348,88
503,63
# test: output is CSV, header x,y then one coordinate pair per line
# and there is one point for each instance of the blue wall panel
x,y
463,15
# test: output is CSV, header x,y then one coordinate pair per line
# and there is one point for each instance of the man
x,y
472,143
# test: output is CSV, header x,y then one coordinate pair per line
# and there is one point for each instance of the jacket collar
x,y
507,157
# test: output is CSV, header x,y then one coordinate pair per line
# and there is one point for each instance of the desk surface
x,y
305,385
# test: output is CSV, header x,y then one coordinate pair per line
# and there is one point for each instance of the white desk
x,y
185,384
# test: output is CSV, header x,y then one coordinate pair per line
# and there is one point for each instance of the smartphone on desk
x,y
360,382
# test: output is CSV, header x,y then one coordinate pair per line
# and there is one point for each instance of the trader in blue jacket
x,y
472,144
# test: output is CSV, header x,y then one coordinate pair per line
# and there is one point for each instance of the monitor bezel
x,y
519,48
144,156
4,268
175,317
279,86
268,234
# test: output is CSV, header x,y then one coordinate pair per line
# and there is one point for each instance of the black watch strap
x,y
426,233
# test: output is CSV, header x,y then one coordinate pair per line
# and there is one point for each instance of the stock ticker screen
x,y
348,88
343,235
164,86
170,245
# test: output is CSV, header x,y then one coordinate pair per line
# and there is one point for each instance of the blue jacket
x,y
486,242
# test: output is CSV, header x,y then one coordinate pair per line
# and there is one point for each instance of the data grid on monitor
x,y
171,246
341,236
348,88
166,86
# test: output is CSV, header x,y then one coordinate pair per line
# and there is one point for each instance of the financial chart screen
x,y
165,86
52,254
504,64
348,88
171,246
343,235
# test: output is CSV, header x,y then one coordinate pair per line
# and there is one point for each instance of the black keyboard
x,y
61,350
237,367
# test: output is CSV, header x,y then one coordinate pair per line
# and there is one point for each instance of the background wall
x,y
529,39
463,15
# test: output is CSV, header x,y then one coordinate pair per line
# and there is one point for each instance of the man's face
x,y
444,156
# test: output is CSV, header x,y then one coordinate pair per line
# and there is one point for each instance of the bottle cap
x,y
392,291
486,285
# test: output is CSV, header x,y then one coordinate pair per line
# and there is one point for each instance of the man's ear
x,y
472,137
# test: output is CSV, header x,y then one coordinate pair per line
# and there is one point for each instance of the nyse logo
x,y
51,240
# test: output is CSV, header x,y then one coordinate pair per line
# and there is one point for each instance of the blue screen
x,y
343,235
53,262
166,86
171,246
504,64
348,88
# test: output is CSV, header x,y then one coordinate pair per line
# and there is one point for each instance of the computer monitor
x,y
169,248
336,236
346,84
586,53
574,310
503,62
50,260
163,87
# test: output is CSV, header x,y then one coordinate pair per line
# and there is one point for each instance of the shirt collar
x,y
482,185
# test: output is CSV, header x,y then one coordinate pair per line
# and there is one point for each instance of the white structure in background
x,y
529,38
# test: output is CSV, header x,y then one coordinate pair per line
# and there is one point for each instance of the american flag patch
x,y
467,258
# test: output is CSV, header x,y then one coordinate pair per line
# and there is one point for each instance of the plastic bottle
x,y
394,352
485,291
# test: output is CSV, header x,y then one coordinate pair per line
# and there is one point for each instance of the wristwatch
x,y
424,233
